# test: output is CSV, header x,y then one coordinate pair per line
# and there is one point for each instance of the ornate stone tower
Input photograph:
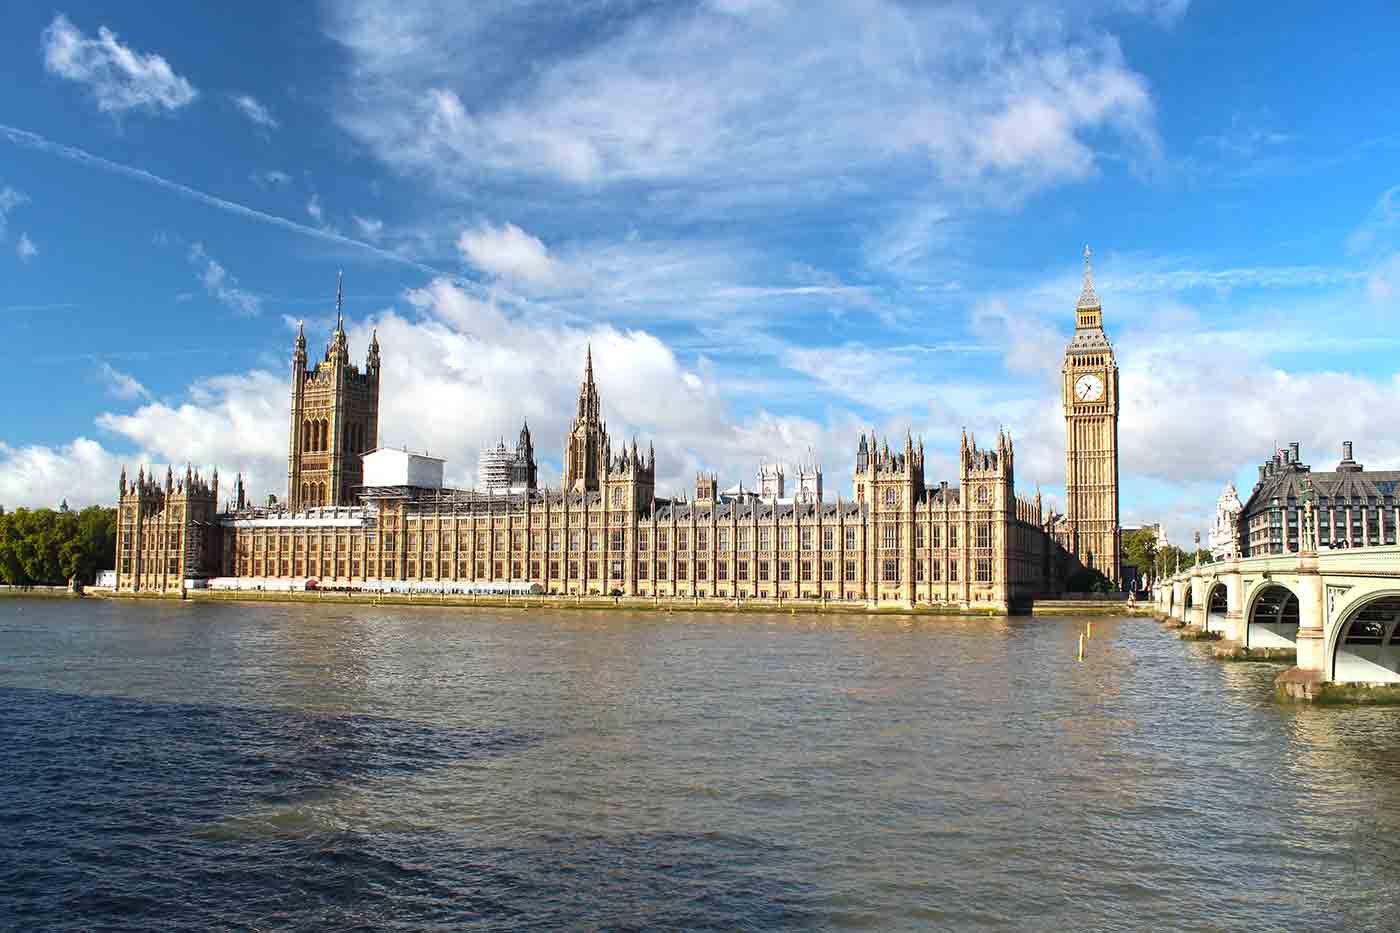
x,y
586,448
335,420
630,479
1090,392
523,471
889,481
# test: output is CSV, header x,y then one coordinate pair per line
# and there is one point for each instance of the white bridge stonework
x,y
1302,600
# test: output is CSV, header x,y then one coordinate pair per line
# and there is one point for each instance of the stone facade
x,y
898,540
167,532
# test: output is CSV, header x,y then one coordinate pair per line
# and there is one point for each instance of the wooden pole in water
x,y
1081,647
1090,631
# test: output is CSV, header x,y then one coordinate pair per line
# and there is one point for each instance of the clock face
x,y
1088,388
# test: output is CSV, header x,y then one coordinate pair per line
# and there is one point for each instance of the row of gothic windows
x,y
313,494
315,437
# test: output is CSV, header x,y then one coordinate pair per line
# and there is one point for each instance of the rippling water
x,y
193,766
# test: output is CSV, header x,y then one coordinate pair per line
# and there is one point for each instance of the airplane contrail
x,y
34,141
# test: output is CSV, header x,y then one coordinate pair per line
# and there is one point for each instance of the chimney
x,y
1293,456
1348,465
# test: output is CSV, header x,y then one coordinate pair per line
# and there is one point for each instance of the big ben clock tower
x,y
1090,392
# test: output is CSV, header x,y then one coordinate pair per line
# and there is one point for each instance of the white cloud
x,y
508,252
457,373
370,227
221,285
122,385
977,94
82,472
254,111
1205,396
118,76
25,248
314,211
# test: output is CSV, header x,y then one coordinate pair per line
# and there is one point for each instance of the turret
x,y
372,358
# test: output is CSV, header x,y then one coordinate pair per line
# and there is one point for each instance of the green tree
x,y
44,546
1140,550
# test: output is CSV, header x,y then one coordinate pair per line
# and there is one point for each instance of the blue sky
x,y
777,224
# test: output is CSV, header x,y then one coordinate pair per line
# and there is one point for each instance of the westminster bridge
x,y
1338,609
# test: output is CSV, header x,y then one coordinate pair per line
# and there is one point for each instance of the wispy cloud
x,y
25,248
249,106
271,178
965,95
9,200
55,306
370,227
122,385
1244,140
73,154
221,285
119,77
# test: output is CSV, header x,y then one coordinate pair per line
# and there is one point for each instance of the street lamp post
x,y
1307,542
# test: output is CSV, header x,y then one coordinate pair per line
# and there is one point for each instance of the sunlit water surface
x,y
168,766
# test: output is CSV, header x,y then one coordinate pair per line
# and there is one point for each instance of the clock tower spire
x,y
1090,395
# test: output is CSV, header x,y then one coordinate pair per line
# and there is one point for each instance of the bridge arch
x,y
1217,605
1271,616
1366,646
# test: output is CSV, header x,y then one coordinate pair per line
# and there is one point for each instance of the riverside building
x,y
358,517
1352,506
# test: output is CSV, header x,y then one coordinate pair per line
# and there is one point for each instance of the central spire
x,y
586,450
1087,296
339,294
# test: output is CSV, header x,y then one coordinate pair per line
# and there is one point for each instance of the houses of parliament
x,y
359,517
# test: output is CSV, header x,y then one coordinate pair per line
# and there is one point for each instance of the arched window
x,y
306,436
305,492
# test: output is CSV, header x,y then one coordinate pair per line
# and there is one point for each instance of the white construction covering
x,y
389,467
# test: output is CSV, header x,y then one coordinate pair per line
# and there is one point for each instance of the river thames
x,y
179,766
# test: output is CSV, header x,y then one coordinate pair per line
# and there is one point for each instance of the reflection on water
x,y
179,766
